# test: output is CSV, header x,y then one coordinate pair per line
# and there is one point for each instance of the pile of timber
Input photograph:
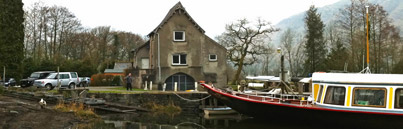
x,y
118,108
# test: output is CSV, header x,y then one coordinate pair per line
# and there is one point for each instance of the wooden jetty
x,y
118,108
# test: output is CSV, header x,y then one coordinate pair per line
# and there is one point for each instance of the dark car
x,y
34,76
84,81
8,82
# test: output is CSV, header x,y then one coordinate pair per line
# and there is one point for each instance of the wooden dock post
x,y
210,102
215,102
203,103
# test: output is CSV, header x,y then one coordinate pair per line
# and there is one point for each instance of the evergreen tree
x,y
315,47
11,37
337,57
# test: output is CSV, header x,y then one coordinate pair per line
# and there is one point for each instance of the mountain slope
x,y
328,13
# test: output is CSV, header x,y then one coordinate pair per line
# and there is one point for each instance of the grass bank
x,y
78,109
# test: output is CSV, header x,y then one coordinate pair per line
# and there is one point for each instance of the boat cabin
x,y
359,92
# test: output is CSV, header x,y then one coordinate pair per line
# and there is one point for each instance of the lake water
x,y
195,121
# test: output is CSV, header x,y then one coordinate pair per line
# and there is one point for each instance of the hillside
x,y
296,23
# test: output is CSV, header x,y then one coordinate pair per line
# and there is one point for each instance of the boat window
x,y
399,98
369,97
335,95
320,94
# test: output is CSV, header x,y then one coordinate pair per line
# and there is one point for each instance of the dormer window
x,y
179,35
212,57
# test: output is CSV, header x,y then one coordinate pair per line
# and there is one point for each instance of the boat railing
x,y
264,97
279,98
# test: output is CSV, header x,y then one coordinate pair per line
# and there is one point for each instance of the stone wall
x,y
157,98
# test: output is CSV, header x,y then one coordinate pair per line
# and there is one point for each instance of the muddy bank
x,y
21,114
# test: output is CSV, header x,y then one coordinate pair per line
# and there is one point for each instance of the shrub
x,y
105,80
96,79
117,81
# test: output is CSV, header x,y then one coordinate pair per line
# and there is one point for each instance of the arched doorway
x,y
185,82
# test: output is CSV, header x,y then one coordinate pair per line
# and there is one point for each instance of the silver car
x,y
49,82
66,79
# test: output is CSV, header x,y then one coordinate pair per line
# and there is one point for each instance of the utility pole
x,y
281,69
283,85
58,76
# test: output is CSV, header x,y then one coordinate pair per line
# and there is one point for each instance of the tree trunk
x,y
238,71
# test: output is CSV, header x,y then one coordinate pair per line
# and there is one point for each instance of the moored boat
x,y
371,99
219,111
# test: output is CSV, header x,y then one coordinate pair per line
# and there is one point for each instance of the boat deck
x,y
272,98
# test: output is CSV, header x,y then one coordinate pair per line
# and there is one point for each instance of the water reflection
x,y
194,121
161,121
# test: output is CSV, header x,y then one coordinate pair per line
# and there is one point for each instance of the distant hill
x,y
296,22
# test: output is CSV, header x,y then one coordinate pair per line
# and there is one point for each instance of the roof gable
x,y
177,8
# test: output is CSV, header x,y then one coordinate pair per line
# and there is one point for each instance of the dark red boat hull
x,y
284,111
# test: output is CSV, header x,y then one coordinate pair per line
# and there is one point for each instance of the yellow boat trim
x,y
390,98
348,96
323,94
315,91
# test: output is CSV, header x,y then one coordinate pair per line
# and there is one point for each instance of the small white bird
x,y
42,103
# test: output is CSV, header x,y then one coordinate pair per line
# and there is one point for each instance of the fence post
x,y
145,86
195,86
151,85
176,86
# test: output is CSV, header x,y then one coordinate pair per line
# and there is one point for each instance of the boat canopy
x,y
358,78
262,78
305,80
275,79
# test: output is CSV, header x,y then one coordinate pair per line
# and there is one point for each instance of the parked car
x,y
66,79
34,76
84,81
8,82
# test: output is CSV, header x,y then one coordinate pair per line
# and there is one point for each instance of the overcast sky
x,y
142,16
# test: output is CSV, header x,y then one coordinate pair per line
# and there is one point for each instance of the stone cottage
x,y
179,51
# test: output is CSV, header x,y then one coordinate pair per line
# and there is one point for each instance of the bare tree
x,y
287,44
347,20
245,42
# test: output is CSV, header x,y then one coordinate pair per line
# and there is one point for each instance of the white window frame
x,y
180,56
147,66
209,57
184,36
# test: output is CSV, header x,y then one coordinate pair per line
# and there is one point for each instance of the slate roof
x,y
122,65
114,71
119,67
172,11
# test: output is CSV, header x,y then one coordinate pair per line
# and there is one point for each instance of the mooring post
x,y
164,87
215,102
195,86
145,86
151,85
203,103
4,75
210,102
176,86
